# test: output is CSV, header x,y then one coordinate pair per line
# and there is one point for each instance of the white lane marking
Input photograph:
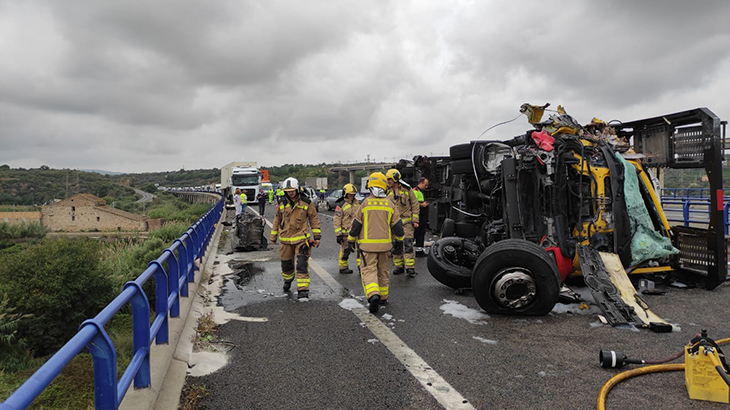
x,y
439,388
436,385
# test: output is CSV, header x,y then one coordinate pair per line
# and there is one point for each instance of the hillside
x,y
38,186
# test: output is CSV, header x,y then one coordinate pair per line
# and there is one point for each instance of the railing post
x,y
174,266
105,367
140,332
685,211
161,294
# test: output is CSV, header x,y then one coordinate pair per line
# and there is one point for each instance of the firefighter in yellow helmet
x,y
375,228
295,214
408,208
344,215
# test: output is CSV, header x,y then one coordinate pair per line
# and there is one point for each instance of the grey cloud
x,y
143,86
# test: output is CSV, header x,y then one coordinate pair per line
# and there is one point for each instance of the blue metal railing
x,y
169,286
689,193
695,210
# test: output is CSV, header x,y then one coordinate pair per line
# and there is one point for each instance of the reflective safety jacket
x,y
293,220
244,198
376,225
344,215
406,203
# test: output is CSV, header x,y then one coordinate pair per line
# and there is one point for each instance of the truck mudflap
x,y
614,293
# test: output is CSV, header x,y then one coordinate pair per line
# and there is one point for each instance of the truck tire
x,y
451,260
462,166
461,151
447,228
516,277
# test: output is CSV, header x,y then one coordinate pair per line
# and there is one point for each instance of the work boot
x,y
384,302
303,294
287,285
411,272
345,270
374,303
398,270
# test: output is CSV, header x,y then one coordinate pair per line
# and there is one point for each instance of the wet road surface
x,y
320,353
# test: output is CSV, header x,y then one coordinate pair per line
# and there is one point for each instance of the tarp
x,y
646,243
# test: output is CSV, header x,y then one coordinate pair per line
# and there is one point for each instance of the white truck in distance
x,y
242,175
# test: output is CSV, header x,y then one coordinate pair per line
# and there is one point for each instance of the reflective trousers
x,y
408,256
344,264
287,253
375,274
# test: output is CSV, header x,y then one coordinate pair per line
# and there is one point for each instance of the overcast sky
x,y
139,86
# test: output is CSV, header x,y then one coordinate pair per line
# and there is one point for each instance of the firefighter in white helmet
x,y
295,215
377,228
408,208
342,221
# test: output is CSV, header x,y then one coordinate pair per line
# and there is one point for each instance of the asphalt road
x,y
317,354
146,196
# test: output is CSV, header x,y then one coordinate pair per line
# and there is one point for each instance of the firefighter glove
x,y
398,247
340,239
346,253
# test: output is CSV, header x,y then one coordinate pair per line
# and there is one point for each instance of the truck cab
x,y
247,179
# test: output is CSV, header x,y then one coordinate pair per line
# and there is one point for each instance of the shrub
x,y
170,231
22,230
13,353
60,283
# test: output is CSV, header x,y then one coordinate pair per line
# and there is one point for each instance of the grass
x,y
19,208
74,386
192,395
206,332
22,230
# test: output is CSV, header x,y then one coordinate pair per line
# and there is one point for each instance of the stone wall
x,y
17,218
88,218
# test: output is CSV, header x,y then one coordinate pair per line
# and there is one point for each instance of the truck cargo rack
x,y
689,139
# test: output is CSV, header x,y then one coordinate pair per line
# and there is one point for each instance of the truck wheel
x,y
451,261
516,277
448,227
461,151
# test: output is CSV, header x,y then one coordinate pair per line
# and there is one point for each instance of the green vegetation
x,y
39,186
48,287
171,208
61,283
181,178
22,230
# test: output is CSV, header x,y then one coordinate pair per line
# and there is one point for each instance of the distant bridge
x,y
369,167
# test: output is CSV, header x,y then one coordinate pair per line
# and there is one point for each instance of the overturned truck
x,y
518,217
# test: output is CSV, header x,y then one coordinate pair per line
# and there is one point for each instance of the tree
x,y
151,188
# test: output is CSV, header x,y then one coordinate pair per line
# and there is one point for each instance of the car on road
x,y
311,194
334,196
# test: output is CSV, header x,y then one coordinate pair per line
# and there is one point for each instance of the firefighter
x,y
344,214
408,208
294,217
377,228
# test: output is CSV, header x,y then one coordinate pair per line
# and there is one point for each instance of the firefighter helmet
x,y
290,184
349,189
377,184
393,174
